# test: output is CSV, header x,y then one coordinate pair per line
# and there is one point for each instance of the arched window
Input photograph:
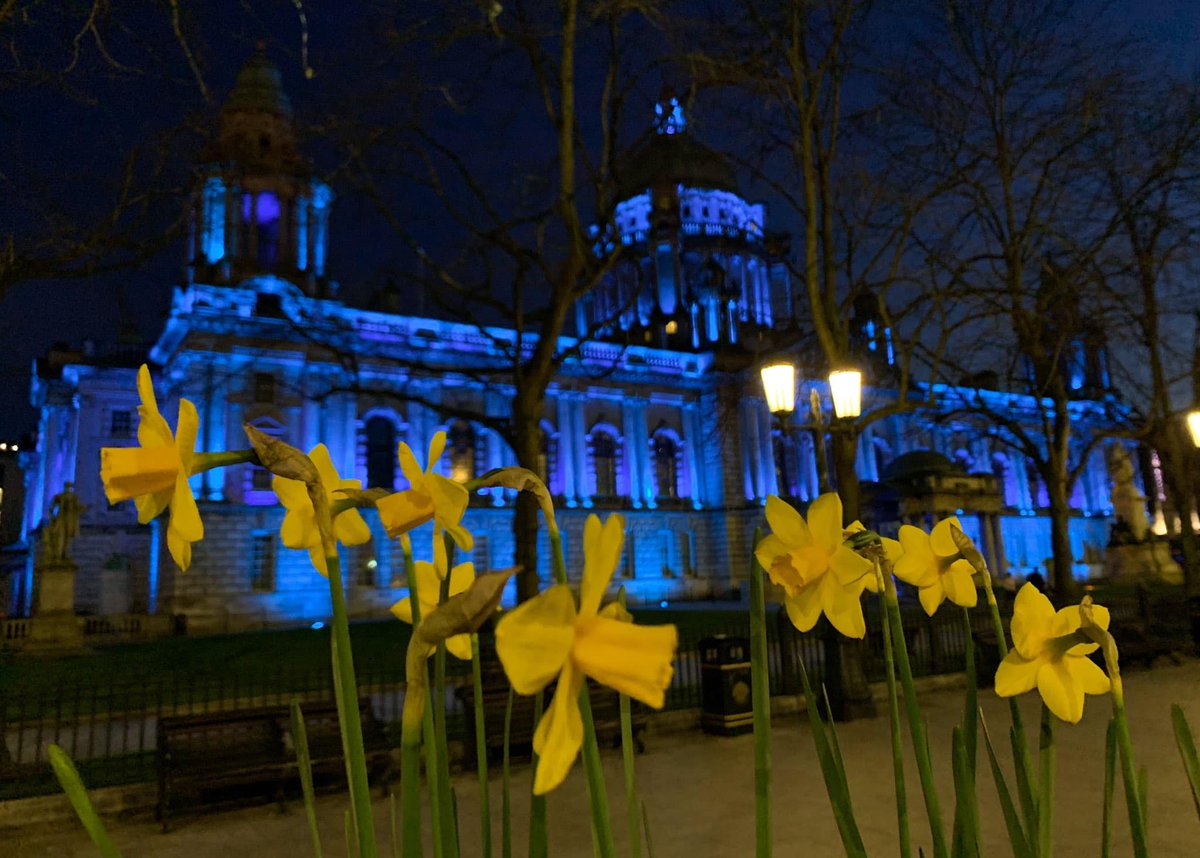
x,y
461,445
604,460
381,453
666,465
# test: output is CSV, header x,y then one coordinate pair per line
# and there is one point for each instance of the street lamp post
x,y
847,689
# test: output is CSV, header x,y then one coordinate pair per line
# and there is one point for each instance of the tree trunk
x,y
1061,580
1175,456
845,455
526,414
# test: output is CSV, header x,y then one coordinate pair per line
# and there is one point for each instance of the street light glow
x,y
779,385
845,386
1193,421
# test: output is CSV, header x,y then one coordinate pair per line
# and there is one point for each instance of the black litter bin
x,y
725,685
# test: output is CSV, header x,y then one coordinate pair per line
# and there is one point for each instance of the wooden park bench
x,y
218,756
606,713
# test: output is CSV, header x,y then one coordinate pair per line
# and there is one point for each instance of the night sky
x,y
74,144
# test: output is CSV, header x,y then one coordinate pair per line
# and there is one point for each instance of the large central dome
x,y
669,155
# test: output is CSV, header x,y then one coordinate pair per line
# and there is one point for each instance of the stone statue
x,y
65,511
1129,504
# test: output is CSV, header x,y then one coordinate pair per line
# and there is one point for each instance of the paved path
x,y
699,791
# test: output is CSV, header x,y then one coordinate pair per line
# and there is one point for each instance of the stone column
x,y
693,448
767,472
567,441
633,427
748,432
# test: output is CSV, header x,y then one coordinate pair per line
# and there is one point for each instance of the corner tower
x,y
257,209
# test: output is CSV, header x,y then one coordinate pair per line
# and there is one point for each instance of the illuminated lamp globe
x,y
845,386
1193,422
779,385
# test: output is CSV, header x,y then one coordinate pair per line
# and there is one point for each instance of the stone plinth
x,y
55,584
1149,561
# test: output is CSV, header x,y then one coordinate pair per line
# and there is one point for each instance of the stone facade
x,y
661,418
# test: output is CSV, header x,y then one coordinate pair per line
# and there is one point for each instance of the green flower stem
x,y
446,815
557,564
1046,766
202,462
916,727
72,784
356,763
481,760
1134,797
304,765
760,695
506,839
631,802
539,846
413,720
597,793
889,659
1026,788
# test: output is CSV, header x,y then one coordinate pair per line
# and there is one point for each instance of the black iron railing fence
x,y
110,726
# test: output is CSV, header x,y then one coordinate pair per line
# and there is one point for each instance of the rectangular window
x,y
264,388
121,424
262,561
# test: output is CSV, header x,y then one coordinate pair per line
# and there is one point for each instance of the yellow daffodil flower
x,y
1048,655
429,587
547,637
932,563
430,497
299,529
155,474
818,572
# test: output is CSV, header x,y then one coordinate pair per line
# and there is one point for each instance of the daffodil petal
x,y
180,549
635,660
932,595
462,577
615,610
461,536
941,539
804,607
403,611
787,524
843,606
534,639
1089,675
960,585
892,549
559,735
149,507
437,446
316,556
917,567
850,568
459,646
1016,675
1062,694
299,529
427,584
351,529
187,427
601,553
153,430
185,515
409,466
825,521
1032,617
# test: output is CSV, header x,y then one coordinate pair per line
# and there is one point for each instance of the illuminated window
x,y
604,461
461,441
381,453
121,425
260,212
262,561
666,465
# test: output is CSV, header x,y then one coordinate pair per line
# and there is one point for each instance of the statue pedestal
x,y
54,627
1142,562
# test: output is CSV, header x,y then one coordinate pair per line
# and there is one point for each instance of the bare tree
x,y
511,244
1006,100
817,138
1147,151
